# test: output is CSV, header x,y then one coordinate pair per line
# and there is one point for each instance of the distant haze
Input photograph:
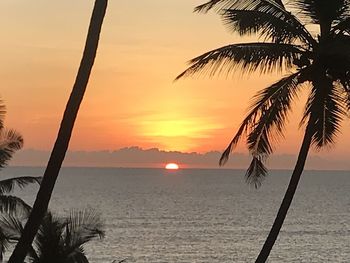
x,y
137,157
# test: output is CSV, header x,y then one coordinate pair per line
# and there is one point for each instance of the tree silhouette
x,y
10,142
64,134
59,239
320,64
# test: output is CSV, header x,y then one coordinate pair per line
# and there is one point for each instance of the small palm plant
x,y
10,142
59,240
319,64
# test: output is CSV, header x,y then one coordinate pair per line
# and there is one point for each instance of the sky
x,y
132,99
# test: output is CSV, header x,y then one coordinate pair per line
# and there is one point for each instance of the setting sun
x,y
172,166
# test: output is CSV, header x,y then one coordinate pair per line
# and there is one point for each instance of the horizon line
x,y
160,168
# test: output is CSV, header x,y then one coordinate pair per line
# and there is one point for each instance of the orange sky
x,y
131,98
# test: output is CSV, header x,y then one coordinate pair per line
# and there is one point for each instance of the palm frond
x,y
275,7
63,239
10,141
273,115
267,102
256,172
342,26
229,4
58,239
11,226
78,256
4,244
48,243
12,204
345,83
2,114
326,103
82,226
272,25
347,101
247,57
269,125
7,185
321,11
8,232
218,4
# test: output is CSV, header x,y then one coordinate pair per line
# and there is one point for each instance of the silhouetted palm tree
x,y
10,142
61,145
320,64
59,240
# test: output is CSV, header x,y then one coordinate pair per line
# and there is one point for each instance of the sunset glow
x,y
172,166
127,103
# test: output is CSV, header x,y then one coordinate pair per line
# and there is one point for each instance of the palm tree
x,y
319,64
10,142
64,134
59,240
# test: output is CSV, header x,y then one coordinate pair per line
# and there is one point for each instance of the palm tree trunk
x,y
64,134
288,197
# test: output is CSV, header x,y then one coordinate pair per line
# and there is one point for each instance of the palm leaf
x,y
10,141
256,172
342,26
120,261
326,103
321,11
11,226
7,185
229,4
82,226
263,101
13,204
4,244
273,115
269,125
49,246
63,239
8,233
268,6
345,83
347,101
77,256
271,25
2,114
247,57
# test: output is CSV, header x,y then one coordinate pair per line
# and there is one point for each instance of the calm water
x,y
153,215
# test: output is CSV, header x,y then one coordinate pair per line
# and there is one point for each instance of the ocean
x,y
197,215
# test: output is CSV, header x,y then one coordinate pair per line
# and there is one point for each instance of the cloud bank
x,y
138,157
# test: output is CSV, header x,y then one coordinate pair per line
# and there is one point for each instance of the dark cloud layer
x,y
137,157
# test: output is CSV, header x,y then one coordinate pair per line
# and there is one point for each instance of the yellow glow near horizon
x,y
174,128
181,133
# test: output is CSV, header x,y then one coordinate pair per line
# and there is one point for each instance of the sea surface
x,y
193,215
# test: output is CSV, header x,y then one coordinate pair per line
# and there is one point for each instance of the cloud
x,y
138,157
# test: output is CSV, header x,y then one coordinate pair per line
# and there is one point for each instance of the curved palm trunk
x,y
61,145
288,197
